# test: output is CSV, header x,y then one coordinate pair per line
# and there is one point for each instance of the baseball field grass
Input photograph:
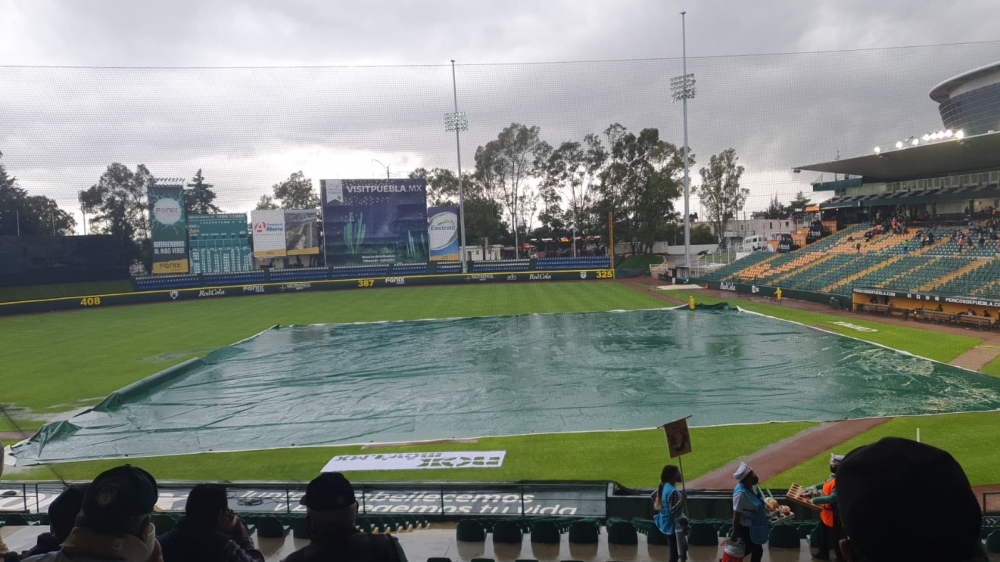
x,y
59,362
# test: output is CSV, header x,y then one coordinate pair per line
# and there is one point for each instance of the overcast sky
x,y
377,82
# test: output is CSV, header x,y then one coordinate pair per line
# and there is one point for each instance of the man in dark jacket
x,y
331,511
209,532
62,517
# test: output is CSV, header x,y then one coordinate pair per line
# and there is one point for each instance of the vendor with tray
x,y
829,530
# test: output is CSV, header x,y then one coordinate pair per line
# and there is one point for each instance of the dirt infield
x,y
789,453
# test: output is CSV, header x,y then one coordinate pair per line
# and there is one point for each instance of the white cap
x,y
835,459
742,471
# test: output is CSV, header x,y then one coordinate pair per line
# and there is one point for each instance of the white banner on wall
x,y
416,461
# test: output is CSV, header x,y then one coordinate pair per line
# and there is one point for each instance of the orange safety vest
x,y
827,514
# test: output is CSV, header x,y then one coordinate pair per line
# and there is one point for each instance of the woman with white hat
x,y
749,513
829,531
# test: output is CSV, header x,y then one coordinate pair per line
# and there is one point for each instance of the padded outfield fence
x,y
164,288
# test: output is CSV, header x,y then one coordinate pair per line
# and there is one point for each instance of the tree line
x,y
521,188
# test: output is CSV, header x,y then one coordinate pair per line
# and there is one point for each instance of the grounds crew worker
x,y
829,531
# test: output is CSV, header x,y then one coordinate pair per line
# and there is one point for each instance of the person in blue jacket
x,y
749,513
669,502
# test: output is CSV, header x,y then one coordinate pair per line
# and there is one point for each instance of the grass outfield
x,y
925,343
56,362
633,458
970,438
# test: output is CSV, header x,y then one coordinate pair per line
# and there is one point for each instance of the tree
x,y
569,174
442,185
720,192
296,193
117,202
638,184
798,204
25,214
775,210
505,168
266,203
199,196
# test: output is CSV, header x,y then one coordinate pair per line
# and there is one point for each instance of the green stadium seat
x,y
544,532
470,530
163,522
703,534
654,536
300,528
622,532
584,532
993,542
784,536
271,528
507,532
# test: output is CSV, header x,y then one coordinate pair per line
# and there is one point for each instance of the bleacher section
x,y
835,265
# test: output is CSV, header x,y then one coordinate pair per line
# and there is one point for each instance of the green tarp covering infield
x,y
434,379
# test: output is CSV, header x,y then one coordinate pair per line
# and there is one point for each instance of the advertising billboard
x,y
168,229
442,233
268,233
301,232
375,221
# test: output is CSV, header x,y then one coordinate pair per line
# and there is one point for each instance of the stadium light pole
x,y
683,89
457,122
379,162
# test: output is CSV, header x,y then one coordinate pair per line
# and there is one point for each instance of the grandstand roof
x,y
972,78
971,154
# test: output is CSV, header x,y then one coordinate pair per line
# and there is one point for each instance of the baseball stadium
x,y
496,383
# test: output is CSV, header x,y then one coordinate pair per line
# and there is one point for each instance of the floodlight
x,y
948,133
916,142
960,134
926,137
899,144
456,122
877,150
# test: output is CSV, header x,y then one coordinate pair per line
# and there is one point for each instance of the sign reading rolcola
x,y
416,461
168,229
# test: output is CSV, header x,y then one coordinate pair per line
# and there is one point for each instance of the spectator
x,y
209,532
749,513
916,528
668,502
62,517
114,521
331,511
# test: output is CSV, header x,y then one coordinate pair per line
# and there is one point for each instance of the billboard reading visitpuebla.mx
x,y
375,221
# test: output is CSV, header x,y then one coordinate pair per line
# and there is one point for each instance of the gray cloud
x,y
250,127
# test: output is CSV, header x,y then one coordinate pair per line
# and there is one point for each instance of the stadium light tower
x,y
458,123
683,89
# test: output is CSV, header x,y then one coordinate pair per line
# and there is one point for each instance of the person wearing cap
x,y
903,500
331,510
209,532
62,518
749,513
114,521
829,531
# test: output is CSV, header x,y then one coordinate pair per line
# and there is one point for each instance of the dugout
x,y
927,306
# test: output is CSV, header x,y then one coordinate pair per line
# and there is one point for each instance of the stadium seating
x,y
731,269
588,262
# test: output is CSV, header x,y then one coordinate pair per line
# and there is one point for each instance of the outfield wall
x,y
240,290
835,301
